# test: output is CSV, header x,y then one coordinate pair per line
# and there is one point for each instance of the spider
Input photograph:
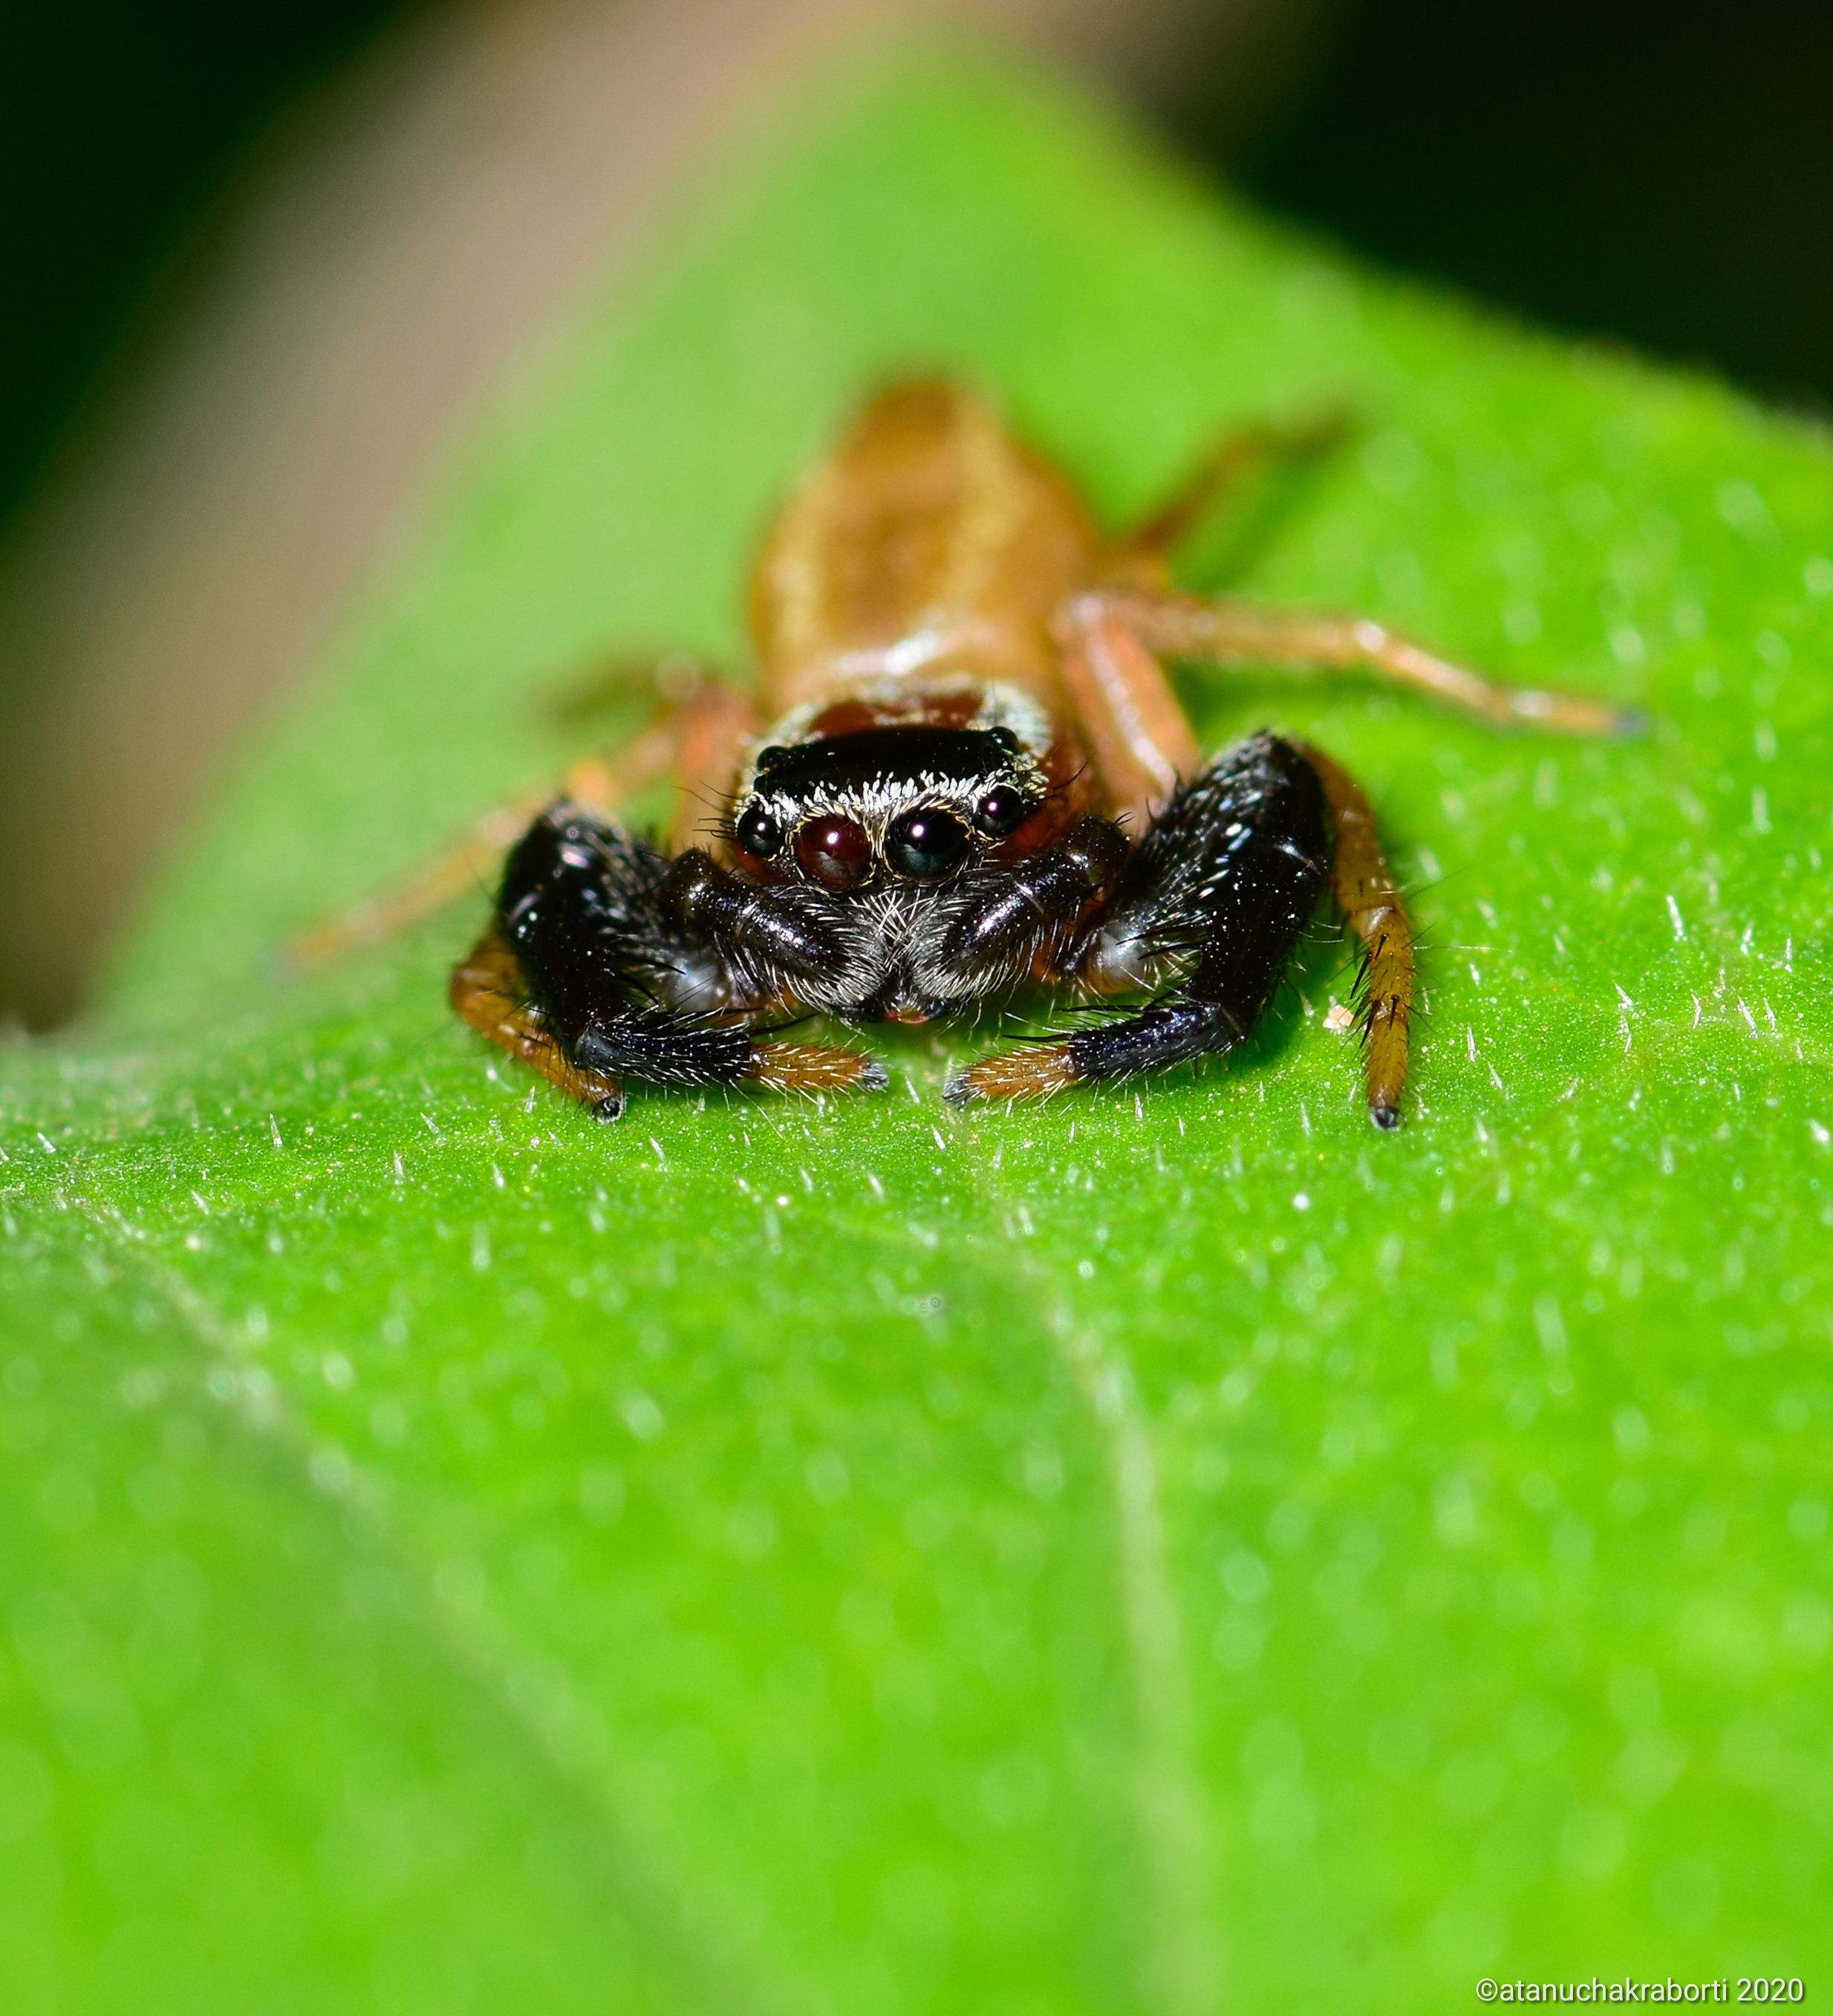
x,y
962,769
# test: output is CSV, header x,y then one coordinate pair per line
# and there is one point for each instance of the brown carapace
x,y
959,771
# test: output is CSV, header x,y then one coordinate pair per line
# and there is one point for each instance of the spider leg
x,y
1138,559
463,866
1369,897
696,737
622,676
617,963
487,990
1138,736
1224,631
1218,891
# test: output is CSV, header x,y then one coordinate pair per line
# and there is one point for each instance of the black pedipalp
x,y
1223,887
999,922
770,941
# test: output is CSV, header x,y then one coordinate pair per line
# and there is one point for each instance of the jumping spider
x,y
959,724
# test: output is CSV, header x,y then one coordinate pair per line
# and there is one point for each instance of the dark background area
x,y
1662,175
118,119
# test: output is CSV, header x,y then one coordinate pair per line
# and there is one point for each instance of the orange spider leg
x,y
1138,559
459,869
626,676
486,989
1038,1071
1369,897
814,1067
1137,733
696,740
711,727
1140,736
700,739
697,737
1226,632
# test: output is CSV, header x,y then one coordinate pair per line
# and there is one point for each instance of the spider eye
x,y
1000,811
925,844
758,833
835,852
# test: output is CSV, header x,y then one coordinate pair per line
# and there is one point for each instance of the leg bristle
x,y
1028,1073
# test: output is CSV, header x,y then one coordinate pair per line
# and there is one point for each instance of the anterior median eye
x,y
835,852
758,833
1000,811
925,844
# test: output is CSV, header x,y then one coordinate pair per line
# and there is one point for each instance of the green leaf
x,y
1174,1549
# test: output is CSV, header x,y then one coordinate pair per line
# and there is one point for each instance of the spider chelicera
x,y
961,770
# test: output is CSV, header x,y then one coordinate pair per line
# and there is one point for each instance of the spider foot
x,y
810,1067
1030,1074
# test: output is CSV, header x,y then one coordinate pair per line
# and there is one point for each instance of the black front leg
x,y
1218,896
643,968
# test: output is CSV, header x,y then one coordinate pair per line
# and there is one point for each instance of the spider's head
x,y
905,806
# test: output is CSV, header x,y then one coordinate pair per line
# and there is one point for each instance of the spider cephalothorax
x,y
974,776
